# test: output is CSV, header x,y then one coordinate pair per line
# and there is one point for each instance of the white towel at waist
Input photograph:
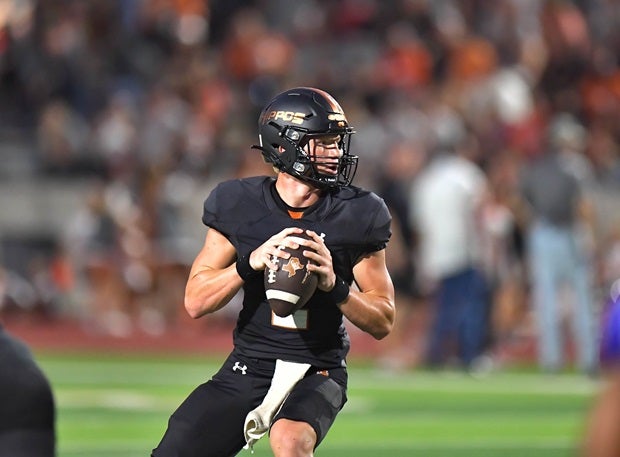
x,y
285,376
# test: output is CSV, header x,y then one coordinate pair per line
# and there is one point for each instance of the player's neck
x,y
296,193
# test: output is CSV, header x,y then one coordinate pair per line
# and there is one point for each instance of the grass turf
x,y
119,405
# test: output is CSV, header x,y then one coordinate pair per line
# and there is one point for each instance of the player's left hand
x,y
321,259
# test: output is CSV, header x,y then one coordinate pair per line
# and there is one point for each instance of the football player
x,y
27,410
305,135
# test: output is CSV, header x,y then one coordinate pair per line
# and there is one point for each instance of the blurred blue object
x,y
610,336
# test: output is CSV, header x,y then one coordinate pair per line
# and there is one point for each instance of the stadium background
x,y
117,118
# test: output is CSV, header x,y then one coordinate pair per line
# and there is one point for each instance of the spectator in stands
x,y
446,201
503,253
559,227
403,347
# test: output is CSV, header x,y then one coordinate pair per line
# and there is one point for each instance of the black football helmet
x,y
287,124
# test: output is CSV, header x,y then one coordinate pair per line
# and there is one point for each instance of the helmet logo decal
x,y
287,116
336,117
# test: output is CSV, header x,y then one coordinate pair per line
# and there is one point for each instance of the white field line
x,y
499,383
351,445
113,399
149,373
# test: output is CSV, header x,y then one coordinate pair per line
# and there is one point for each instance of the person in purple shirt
x,y
602,435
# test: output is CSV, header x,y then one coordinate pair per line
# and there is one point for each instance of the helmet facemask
x,y
296,155
330,170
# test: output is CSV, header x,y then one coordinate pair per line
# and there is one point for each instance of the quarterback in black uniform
x,y
304,133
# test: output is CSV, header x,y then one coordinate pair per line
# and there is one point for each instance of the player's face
x,y
325,152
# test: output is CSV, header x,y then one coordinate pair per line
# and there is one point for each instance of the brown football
x,y
290,286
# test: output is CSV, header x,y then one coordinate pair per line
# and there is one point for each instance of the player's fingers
x,y
287,232
273,256
271,263
324,270
285,238
293,242
274,247
316,244
316,258
316,238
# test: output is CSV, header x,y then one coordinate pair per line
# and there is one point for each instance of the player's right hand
x,y
261,257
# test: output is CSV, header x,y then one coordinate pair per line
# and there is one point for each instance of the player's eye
x,y
329,142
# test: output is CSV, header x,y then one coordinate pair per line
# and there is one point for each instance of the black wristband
x,y
340,292
244,269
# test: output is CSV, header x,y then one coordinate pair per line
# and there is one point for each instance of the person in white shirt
x,y
446,200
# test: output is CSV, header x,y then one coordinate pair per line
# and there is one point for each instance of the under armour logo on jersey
x,y
239,367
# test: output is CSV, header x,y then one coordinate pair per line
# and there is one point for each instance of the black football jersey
x,y
353,223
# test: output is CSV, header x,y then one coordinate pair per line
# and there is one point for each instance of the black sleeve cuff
x,y
340,292
244,269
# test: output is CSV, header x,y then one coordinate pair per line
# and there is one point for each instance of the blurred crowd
x,y
148,98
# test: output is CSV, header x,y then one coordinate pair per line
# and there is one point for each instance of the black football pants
x,y
209,423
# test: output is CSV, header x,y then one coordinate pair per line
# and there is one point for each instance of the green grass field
x,y
119,405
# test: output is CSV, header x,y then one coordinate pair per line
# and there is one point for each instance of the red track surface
x,y
214,337
192,337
